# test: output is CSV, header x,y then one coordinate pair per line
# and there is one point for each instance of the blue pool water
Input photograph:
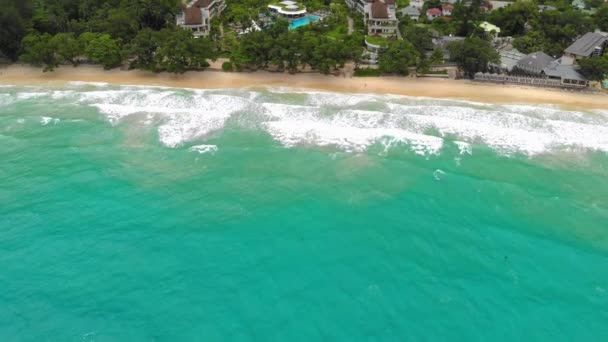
x,y
303,21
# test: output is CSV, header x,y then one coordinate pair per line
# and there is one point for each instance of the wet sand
x,y
214,79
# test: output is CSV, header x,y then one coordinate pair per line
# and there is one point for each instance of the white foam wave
x,y
185,117
464,147
356,139
5,99
26,96
325,119
45,120
508,131
204,149
86,83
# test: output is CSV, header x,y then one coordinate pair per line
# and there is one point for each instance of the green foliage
x,y
554,31
398,58
103,50
38,50
513,18
377,40
171,50
593,3
367,72
473,55
420,37
464,18
595,69
13,26
120,25
437,57
143,47
227,66
601,18
291,49
66,47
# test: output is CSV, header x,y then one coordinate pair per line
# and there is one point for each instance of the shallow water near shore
x,y
149,213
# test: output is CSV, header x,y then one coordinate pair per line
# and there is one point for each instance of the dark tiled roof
x,y
585,45
193,16
556,69
537,60
379,10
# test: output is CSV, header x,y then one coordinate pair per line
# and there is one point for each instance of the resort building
x,y
379,15
288,9
197,15
591,44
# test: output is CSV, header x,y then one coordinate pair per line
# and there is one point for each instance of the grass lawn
x,y
377,40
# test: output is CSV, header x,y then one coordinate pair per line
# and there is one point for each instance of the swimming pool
x,y
294,24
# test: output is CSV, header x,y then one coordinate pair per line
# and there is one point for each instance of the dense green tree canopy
x,y
142,34
398,58
473,55
601,18
512,19
595,69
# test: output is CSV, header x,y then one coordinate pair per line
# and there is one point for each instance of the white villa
x,y
197,15
379,15
288,9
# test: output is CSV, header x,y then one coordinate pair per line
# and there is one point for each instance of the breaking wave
x,y
351,122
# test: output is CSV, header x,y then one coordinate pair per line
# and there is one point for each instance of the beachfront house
x,y
380,16
288,9
566,72
591,44
197,15
533,64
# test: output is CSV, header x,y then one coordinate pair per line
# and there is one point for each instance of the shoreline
x,y
390,85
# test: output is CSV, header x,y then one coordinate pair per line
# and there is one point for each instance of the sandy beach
x,y
214,79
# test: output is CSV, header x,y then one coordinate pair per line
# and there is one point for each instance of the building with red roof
x,y
197,15
433,13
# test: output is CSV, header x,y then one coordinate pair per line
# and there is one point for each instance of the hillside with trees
x,y
142,34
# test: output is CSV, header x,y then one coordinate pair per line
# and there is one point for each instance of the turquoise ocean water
x,y
135,213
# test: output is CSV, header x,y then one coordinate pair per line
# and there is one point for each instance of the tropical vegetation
x,y
142,34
